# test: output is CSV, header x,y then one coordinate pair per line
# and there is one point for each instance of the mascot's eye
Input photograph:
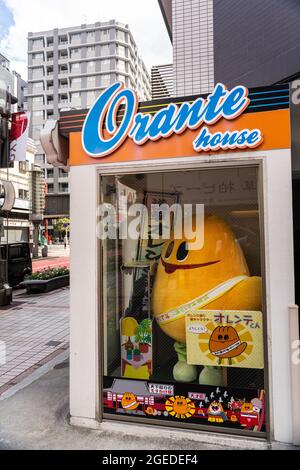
x,y
226,337
169,250
182,251
220,337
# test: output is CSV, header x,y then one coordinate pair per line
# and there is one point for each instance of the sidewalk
x,y
34,330
37,417
34,390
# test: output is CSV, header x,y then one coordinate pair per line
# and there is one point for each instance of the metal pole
x,y
35,251
7,177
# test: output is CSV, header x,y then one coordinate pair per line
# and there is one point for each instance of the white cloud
x,y
143,16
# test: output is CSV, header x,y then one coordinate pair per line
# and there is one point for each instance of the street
x,y
58,256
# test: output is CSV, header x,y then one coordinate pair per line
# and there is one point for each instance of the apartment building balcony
x,y
63,88
63,188
36,62
36,78
74,41
49,180
62,73
37,106
63,44
29,92
49,48
39,47
63,178
63,57
49,105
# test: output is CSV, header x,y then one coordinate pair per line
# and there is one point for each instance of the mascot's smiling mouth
x,y
171,268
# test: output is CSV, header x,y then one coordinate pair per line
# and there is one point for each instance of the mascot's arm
x,y
247,295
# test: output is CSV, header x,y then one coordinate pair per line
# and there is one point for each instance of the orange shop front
x,y
181,229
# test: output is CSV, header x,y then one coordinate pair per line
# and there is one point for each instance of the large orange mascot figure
x,y
216,275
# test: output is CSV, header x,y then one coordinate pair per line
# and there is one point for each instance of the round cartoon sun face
x,y
180,407
215,408
247,408
225,342
129,401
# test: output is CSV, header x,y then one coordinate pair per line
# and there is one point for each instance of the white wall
x,y
83,326
280,285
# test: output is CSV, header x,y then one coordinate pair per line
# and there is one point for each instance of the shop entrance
x,y
182,313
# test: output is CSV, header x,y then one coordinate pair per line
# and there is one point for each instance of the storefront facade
x,y
171,328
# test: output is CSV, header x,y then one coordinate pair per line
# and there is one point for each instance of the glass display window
x,y
182,315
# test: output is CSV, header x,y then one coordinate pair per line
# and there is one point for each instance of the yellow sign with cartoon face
x,y
230,338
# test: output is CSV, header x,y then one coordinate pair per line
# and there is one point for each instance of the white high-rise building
x,y
68,68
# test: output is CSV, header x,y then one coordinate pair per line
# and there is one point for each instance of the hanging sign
x,y
18,137
141,128
230,338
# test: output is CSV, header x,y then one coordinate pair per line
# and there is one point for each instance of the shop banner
x,y
18,137
230,338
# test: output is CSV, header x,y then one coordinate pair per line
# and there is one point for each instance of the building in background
x,y
17,226
162,81
14,82
19,87
17,221
190,27
255,43
67,69
4,62
6,76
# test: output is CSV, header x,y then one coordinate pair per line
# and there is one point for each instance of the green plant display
x,y
47,274
143,332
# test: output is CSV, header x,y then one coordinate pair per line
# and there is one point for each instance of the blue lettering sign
x,y
173,119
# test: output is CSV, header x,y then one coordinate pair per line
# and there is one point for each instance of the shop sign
x,y
201,114
230,338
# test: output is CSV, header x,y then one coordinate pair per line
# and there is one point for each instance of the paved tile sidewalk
x,y
33,331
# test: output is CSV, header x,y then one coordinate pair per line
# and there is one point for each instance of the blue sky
x,y
18,17
6,19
